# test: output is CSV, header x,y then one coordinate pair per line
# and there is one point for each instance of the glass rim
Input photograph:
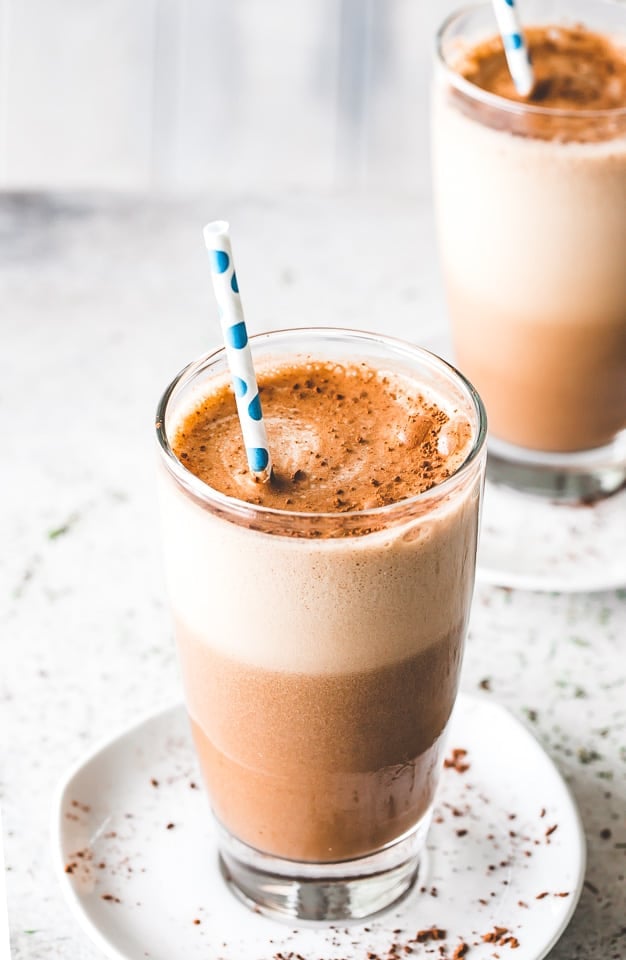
x,y
490,99
214,498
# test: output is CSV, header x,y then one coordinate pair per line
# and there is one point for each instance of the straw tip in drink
x,y
524,83
214,230
526,88
263,476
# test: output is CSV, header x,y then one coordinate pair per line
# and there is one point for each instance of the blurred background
x,y
181,95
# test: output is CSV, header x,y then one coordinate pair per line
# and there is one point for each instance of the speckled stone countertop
x,y
102,301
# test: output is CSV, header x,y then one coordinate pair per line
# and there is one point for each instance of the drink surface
x,y
343,437
574,69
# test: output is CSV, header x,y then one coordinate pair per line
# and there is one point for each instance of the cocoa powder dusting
x,y
343,438
433,933
496,935
576,71
460,950
456,761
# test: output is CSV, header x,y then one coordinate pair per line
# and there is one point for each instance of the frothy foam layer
x,y
318,606
343,437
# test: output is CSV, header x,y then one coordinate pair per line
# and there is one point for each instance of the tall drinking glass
x,y
320,651
531,214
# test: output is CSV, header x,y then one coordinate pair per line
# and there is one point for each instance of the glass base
x,y
565,477
346,890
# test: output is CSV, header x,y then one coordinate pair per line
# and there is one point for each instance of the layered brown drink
x,y
320,617
531,206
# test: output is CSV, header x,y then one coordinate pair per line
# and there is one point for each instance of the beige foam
x,y
318,606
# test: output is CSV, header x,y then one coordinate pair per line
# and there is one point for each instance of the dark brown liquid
x,y
320,767
342,438
568,395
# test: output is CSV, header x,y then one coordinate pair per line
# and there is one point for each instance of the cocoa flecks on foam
x,y
457,760
574,69
388,441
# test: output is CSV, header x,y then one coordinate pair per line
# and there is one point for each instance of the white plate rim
x,y
69,893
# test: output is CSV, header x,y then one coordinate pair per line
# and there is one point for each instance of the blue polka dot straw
x,y
515,49
238,353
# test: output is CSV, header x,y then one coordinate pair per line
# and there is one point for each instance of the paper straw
x,y
515,49
238,353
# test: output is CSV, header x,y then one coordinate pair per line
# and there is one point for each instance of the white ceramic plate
x,y
506,850
534,544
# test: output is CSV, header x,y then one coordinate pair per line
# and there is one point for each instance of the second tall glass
x,y
531,211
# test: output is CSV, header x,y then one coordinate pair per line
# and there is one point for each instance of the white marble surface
x,y
102,300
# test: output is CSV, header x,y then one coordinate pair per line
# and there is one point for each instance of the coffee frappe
x,y
531,205
320,618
